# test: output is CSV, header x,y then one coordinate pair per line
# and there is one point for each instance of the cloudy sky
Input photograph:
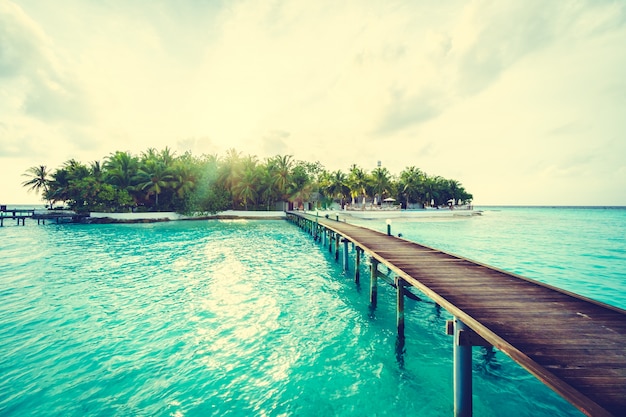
x,y
523,102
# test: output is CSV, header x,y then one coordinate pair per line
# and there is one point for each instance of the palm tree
x,y
246,187
412,184
230,172
153,178
121,169
38,180
381,181
357,182
95,167
282,165
59,186
433,189
267,188
336,187
185,176
76,169
301,187
167,156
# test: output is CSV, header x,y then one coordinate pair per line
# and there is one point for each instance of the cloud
x,y
198,146
406,110
275,143
493,35
488,92
46,89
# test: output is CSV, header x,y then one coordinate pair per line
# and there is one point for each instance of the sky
x,y
522,102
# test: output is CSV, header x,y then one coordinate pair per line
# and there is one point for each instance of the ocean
x,y
253,318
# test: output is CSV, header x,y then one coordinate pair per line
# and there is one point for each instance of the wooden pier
x,y
574,345
19,215
22,214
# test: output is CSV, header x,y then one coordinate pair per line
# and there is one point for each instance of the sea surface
x,y
252,318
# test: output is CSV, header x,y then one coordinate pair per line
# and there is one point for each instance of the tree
x,y
337,186
301,186
96,170
281,170
357,182
432,190
186,174
58,187
121,170
381,181
38,180
209,184
230,173
267,189
153,177
209,195
412,184
246,187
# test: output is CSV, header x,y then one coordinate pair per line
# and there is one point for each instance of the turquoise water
x,y
582,250
244,318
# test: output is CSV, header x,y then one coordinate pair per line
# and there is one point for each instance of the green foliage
x,y
162,181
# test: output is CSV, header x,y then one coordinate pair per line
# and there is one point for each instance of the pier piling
x,y
346,266
357,265
373,282
400,306
462,372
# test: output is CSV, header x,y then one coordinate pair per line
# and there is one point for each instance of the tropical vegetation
x,y
160,180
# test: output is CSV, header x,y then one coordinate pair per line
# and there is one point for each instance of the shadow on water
x,y
372,311
488,361
437,311
400,350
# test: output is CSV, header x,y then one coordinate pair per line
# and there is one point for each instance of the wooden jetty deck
x,y
22,214
15,214
573,344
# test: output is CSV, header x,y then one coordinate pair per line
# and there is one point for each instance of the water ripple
x,y
216,319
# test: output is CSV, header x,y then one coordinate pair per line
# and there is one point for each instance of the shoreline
x,y
155,217
341,215
395,214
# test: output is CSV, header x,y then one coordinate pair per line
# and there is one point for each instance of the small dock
x,y
19,215
574,345
22,214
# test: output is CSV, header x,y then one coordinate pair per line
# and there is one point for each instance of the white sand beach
x,y
167,216
395,214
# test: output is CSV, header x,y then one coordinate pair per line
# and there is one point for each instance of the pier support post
x,y
357,265
346,266
462,372
464,339
400,306
331,236
324,237
337,240
373,282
